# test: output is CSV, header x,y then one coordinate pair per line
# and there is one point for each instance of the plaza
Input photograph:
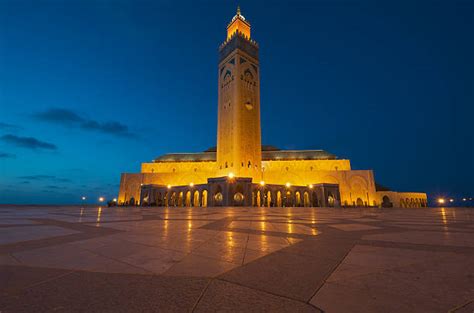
x,y
236,259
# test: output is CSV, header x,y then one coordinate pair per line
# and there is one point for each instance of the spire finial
x,y
238,9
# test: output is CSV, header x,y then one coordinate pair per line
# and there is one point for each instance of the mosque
x,y
240,171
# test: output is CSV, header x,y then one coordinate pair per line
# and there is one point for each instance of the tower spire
x,y
238,9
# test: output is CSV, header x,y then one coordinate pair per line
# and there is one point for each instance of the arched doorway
x,y
268,199
306,199
188,198
359,202
315,202
173,199
218,197
259,199
298,198
180,199
196,199
238,195
278,202
386,203
288,199
331,200
204,198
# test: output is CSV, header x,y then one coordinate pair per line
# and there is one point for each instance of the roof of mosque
x,y
269,153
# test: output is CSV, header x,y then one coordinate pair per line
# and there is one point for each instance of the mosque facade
x,y
240,171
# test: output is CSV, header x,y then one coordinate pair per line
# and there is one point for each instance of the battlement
x,y
238,41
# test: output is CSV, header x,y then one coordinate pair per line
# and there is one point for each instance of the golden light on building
x,y
239,154
238,24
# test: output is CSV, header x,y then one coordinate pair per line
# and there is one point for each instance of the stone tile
x,y
10,235
16,278
98,292
222,296
302,274
199,266
353,227
427,237
222,251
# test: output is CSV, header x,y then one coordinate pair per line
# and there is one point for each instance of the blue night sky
x,y
90,89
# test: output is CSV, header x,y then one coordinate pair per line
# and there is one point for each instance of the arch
x,y
278,199
386,203
289,201
218,197
204,198
268,199
196,199
331,200
306,202
180,199
173,199
297,198
166,198
359,202
254,196
402,203
188,198
238,197
314,199
259,199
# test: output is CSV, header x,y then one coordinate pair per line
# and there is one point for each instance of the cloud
x,y
55,187
6,155
46,177
28,142
9,127
60,116
67,117
38,177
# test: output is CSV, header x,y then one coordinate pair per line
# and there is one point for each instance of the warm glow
x,y
262,183
231,175
169,186
115,200
101,199
441,201
310,186
191,184
99,213
238,24
288,185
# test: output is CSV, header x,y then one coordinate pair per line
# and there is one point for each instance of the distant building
x,y
242,172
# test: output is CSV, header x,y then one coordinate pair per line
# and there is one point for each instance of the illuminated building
x,y
239,170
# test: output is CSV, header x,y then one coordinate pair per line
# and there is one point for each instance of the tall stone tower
x,y
238,126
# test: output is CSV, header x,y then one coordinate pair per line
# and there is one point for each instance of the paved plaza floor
x,y
131,259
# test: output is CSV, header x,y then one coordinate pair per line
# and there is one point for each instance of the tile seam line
x,y
203,292
333,270
264,291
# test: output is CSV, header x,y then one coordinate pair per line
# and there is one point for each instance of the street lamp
x,y
101,199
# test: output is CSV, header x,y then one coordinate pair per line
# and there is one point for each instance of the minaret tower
x,y
239,148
